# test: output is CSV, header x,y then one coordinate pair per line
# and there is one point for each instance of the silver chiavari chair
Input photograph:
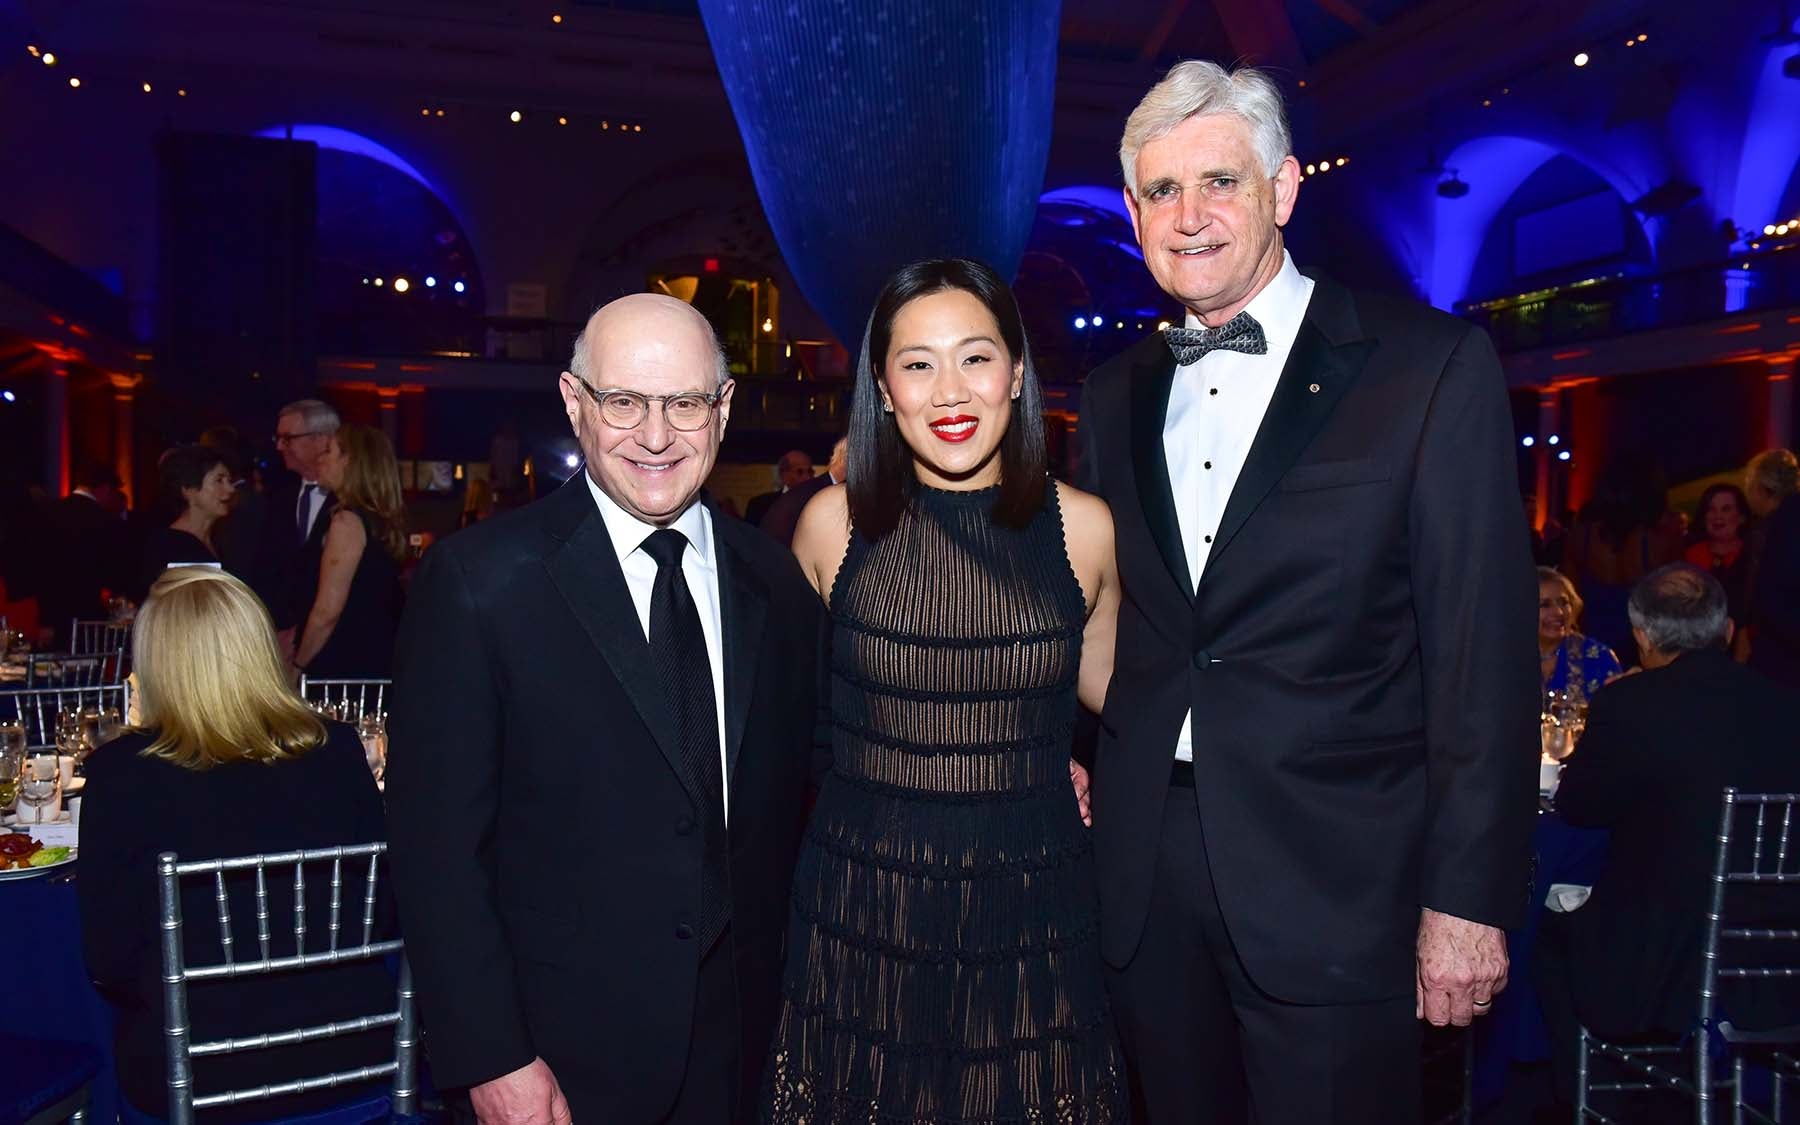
x,y
37,709
62,670
178,975
93,638
348,700
1755,831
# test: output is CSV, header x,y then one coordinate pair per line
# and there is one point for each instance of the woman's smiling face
x,y
950,383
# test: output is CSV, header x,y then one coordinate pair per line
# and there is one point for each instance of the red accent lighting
x,y
711,265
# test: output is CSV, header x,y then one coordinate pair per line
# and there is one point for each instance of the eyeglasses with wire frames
x,y
625,410
281,439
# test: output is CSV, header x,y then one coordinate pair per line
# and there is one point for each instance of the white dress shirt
x,y
1216,405
699,565
312,494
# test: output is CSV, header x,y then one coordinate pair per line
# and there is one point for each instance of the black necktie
x,y
678,647
1239,334
304,510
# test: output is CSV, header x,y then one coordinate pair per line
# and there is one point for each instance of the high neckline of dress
x,y
959,495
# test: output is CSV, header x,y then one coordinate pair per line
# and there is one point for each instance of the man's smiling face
x,y
1207,215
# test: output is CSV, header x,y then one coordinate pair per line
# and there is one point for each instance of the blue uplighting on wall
x,y
343,140
880,131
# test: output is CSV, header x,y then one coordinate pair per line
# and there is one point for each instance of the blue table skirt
x,y
1514,1031
40,943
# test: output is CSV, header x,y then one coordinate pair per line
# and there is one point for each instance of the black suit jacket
x,y
545,849
1659,749
294,571
759,506
1775,646
93,550
1358,659
784,514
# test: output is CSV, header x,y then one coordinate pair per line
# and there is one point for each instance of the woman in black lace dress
x,y
942,961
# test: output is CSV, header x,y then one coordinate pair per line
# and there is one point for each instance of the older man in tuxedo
x,y
1313,789
600,751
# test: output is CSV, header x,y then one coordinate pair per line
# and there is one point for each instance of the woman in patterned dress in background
x,y
943,960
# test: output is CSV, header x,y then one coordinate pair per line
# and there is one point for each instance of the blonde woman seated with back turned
x,y
226,760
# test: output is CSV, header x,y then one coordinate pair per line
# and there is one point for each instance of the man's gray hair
x,y
1197,87
1776,470
318,417
578,358
1680,608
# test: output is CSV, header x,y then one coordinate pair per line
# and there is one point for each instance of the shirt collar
x,y
628,533
1281,303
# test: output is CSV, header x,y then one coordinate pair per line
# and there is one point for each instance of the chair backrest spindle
x,y
178,975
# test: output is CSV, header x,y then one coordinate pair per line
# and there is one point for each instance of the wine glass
x,y
37,785
12,761
372,729
71,735
110,725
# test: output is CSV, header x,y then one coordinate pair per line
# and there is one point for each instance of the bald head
x,y
638,321
648,396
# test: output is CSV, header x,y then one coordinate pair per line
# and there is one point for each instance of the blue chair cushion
x,y
35,1074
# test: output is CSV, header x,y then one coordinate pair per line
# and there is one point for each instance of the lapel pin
x,y
1314,388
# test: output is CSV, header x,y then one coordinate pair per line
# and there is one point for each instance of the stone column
x,y
389,401
56,431
124,388
1549,421
1780,434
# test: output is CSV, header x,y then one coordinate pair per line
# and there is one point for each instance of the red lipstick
x,y
956,428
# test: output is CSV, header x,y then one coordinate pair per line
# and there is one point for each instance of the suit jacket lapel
x,y
1325,360
743,606
1151,379
586,572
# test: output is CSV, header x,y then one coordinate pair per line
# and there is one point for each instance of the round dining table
x,y
47,987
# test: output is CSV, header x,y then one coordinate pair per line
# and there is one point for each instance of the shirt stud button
x,y
1314,388
1209,464
1214,391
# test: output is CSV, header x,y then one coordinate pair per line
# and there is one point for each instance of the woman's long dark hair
x,y
882,478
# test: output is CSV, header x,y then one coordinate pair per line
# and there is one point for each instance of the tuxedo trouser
x,y
1206,1046
710,1086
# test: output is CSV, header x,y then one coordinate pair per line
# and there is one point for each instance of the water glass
x,y
37,786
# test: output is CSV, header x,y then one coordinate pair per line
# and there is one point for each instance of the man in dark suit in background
x,y
1772,485
92,546
1660,746
296,533
1313,791
794,468
784,514
601,745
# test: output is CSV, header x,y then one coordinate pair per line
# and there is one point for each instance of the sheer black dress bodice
x,y
943,963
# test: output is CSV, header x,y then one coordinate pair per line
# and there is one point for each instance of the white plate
x,y
30,872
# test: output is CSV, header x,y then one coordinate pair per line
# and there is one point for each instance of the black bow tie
x,y
1239,334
